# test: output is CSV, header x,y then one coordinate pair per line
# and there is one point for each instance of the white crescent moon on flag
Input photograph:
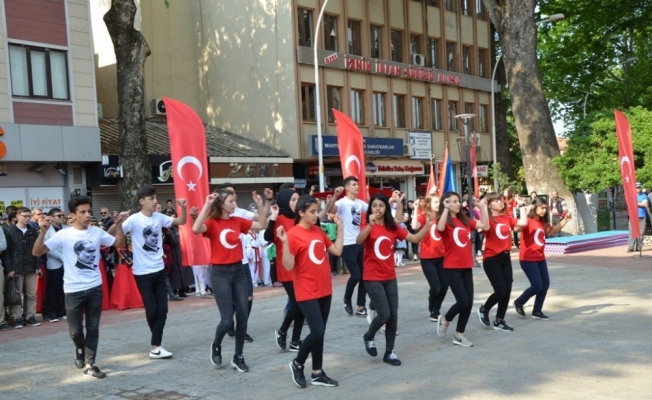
x,y
349,160
456,237
223,240
499,232
311,252
539,242
189,160
433,233
380,255
624,160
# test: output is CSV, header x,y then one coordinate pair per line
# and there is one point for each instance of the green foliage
x,y
590,162
504,182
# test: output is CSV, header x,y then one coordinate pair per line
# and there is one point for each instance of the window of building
x,y
466,60
305,27
483,118
38,72
379,109
330,33
355,38
376,41
433,52
435,105
449,5
396,43
468,109
357,106
479,9
417,113
434,3
482,56
334,101
450,56
399,110
452,112
308,108
466,6
415,44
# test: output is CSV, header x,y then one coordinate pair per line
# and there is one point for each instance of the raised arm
x,y
483,224
441,224
181,220
522,221
557,228
119,232
39,247
364,234
263,210
332,208
288,258
268,235
198,226
417,237
336,248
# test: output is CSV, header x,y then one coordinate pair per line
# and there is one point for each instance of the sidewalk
x,y
596,346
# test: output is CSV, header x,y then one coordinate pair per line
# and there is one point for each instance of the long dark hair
x,y
464,219
215,211
388,220
493,196
537,202
303,204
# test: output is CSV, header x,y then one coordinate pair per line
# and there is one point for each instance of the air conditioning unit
x,y
407,150
418,59
158,107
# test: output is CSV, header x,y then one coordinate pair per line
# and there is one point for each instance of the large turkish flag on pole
x,y
188,151
474,167
627,172
351,145
442,173
432,186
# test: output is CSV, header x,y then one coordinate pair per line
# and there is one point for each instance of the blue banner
x,y
373,146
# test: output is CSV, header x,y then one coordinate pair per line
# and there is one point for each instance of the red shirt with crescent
x,y
379,253
457,244
282,274
312,270
499,235
509,207
224,235
533,241
432,245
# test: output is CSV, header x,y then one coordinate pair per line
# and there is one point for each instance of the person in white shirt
x,y
146,229
82,286
53,305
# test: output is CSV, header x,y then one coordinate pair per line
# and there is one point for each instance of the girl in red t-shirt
x,y
497,262
455,228
532,257
379,276
432,257
304,252
227,275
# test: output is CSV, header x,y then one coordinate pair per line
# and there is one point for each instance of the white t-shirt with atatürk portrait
x,y
147,241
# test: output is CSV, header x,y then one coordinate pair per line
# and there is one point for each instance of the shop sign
x,y
421,145
253,170
483,171
164,172
372,146
394,168
45,198
300,183
12,197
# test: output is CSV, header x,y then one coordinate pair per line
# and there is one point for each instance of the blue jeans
x,y
537,274
153,289
88,302
352,257
230,291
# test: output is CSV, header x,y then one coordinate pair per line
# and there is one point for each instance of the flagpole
x,y
320,143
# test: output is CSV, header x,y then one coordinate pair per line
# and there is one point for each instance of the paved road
x,y
597,345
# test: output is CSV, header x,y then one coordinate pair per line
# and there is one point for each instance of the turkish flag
x,y
351,145
474,167
442,174
626,157
432,186
190,170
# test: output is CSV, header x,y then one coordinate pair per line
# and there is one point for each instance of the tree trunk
x,y
503,155
517,31
131,51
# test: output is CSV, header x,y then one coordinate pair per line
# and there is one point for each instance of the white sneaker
x,y
441,326
371,315
462,341
160,352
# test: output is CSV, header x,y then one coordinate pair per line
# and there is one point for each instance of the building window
x,y
334,101
466,6
435,105
305,27
483,118
452,112
433,53
38,72
468,109
355,39
376,41
417,113
308,102
399,110
396,43
449,5
415,44
357,106
379,109
450,56
330,33
466,60
482,55
434,3
479,9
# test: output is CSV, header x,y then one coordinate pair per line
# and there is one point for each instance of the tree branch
x,y
495,12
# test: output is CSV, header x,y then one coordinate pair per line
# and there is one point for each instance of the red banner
x,y
627,172
442,173
432,186
188,153
349,141
474,167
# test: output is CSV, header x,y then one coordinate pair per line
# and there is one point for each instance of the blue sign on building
x,y
373,146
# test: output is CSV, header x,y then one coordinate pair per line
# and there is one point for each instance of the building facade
x,y
48,108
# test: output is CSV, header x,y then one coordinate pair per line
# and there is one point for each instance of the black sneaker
x,y
79,358
281,339
540,315
31,321
348,307
94,372
4,326
362,312
391,359
295,346
322,380
248,338
297,374
216,354
370,345
19,323
238,363
519,309
502,326
484,316
434,317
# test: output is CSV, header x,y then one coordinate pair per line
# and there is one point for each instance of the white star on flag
x,y
191,186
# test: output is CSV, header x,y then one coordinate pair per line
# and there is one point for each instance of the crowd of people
x,y
294,240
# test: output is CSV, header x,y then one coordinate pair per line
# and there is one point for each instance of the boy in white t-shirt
x,y
82,279
146,229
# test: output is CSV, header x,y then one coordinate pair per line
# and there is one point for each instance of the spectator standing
x,y
559,209
36,214
106,218
411,214
53,306
3,246
330,229
643,206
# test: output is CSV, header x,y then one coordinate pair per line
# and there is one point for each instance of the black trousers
x,y
384,296
87,302
352,257
499,271
53,304
154,291
316,312
433,269
230,291
293,314
461,284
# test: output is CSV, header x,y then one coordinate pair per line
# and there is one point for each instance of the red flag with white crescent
x,y
627,171
442,173
474,167
190,171
432,186
351,145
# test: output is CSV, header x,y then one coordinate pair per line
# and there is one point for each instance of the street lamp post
x,y
320,143
466,157
552,18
